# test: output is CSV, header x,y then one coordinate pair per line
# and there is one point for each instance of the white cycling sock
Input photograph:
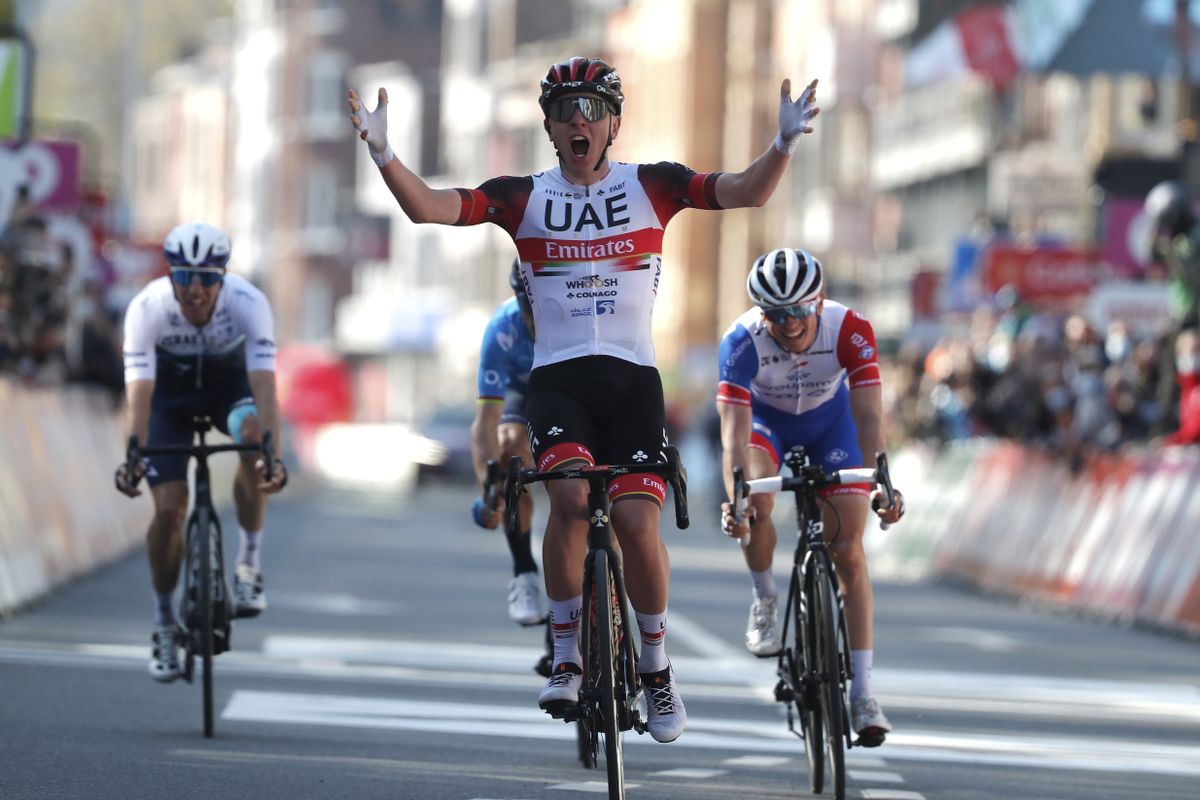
x,y
860,662
653,628
564,623
764,584
249,544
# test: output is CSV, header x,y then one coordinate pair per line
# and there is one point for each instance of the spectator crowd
x,y
56,324
1048,378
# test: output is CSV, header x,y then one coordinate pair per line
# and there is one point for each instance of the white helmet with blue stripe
x,y
196,244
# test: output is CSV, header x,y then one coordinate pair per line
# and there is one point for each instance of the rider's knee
x,y
168,518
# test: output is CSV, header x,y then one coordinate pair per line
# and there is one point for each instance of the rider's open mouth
x,y
579,145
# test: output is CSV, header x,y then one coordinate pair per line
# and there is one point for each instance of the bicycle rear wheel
x,y
807,698
201,547
829,663
606,652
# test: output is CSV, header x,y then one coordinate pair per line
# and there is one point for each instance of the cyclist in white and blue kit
x,y
498,433
799,369
199,342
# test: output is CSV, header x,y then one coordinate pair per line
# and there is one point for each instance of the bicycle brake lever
x,y
679,486
884,478
741,495
512,490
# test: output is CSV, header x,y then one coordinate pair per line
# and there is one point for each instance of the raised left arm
x,y
754,185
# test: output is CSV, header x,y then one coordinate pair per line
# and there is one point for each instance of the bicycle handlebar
x,y
810,475
672,470
134,453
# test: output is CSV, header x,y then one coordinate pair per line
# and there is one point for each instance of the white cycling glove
x,y
794,116
372,128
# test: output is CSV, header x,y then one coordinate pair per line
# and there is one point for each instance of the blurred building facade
x,y
913,155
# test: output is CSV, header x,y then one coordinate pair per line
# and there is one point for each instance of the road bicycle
x,y
611,696
814,666
493,491
205,610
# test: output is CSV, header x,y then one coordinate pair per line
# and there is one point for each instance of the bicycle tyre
x,y
833,705
807,698
587,737
606,655
204,552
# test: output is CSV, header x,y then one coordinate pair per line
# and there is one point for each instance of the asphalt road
x,y
386,667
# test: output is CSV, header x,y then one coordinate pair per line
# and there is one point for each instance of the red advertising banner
x,y
1040,273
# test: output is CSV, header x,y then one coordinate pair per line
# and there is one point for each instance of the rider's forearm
x,y
137,409
485,444
418,201
262,385
866,407
754,185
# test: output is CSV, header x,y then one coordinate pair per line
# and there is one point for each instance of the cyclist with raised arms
x,y
798,369
589,235
498,434
199,342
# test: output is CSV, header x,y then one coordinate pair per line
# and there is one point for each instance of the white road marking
x,y
1019,749
690,772
742,680
595,787
756,761
891,794
335,603
987,641
868,776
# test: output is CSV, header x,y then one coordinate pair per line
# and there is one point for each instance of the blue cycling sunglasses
x,y
208,277
801,310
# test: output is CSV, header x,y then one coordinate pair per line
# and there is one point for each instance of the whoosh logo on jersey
x,y
592,282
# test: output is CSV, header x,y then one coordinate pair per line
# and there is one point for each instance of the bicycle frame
x,y
205,587
611,689
813,672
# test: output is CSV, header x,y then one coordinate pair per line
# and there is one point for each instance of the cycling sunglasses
x,y
801,310
208,276
561,110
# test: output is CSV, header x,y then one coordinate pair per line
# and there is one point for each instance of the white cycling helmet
x,y
784,277
196,244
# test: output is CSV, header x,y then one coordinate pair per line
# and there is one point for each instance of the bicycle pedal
x,y
542,667
870,740
562,709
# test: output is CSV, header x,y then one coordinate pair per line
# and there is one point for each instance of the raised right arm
x,y
419,201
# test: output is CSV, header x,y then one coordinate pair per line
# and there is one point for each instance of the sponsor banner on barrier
x,y
1117,538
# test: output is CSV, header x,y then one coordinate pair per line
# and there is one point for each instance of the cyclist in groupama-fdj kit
x,y
799,369
199,342
589,235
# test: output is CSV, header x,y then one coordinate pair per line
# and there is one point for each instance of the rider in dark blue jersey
x,y
499,433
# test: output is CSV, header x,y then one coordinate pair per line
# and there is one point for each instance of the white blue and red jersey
x,y
801,398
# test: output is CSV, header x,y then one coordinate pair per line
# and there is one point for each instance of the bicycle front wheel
x,y
803,668
829,661
203,548
606,654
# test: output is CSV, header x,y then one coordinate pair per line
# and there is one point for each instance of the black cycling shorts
x,y
171,413
599,410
